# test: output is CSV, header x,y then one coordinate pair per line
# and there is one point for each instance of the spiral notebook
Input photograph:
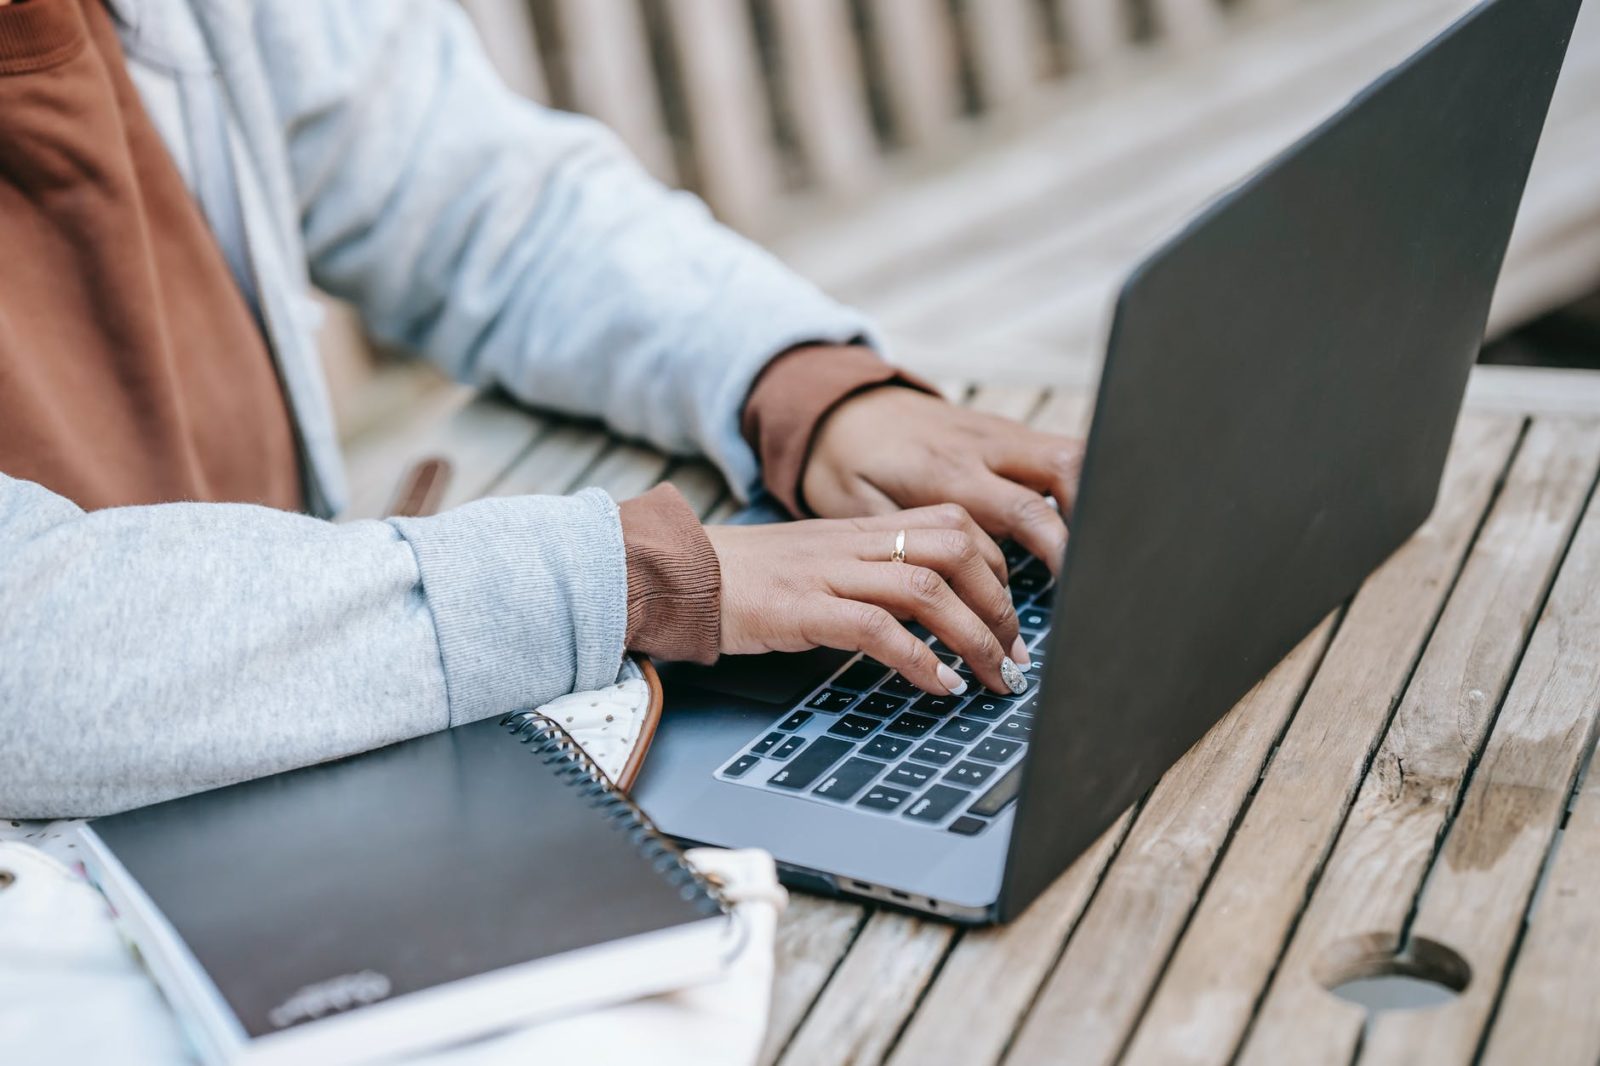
x,y
406,898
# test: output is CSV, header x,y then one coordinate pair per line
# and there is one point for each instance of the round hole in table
x,y
1369,972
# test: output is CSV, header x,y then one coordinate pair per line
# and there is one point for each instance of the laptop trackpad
x,y
774,678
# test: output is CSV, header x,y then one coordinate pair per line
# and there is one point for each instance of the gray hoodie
x,y
366,147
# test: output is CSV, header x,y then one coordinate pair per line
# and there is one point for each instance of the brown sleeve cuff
x,y
793,395
38,36
674,579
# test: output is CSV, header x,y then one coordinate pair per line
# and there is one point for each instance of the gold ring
x,y
899,553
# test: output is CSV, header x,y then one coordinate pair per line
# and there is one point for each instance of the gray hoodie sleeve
x,y
517,245
146,652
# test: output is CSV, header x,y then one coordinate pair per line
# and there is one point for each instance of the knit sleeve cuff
x,y
528,596
674,579
794,395
38,36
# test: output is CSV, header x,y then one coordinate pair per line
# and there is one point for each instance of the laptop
x,y
1279,392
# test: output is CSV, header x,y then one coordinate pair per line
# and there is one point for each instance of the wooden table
x,y
1409,778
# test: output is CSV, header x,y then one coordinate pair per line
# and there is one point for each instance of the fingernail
x,y
1019,653
951,680
1011,674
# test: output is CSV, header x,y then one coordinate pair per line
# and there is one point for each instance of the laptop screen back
x,y
1280,390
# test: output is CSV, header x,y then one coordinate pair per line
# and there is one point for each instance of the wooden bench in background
x,y
981,173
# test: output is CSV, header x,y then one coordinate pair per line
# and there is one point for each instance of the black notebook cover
x,y
435,859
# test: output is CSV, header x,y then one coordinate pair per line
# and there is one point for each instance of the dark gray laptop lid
x,y
1280,389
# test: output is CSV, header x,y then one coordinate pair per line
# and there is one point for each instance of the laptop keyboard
x,y
869,739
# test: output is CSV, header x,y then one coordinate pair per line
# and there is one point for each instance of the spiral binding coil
x,y
557,749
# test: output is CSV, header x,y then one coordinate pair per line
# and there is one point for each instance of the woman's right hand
x,y
832,583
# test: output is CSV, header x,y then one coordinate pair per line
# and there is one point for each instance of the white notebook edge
x,y
583,979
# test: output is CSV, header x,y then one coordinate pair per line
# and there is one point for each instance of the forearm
x,y
149,652
520,246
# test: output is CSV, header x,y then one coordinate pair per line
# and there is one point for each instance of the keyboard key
x,y
911,725
862,675
1029,582
1000,793
962,729
881,705
883,798
937,752
946,656
988,707
795,720
931,704
810,763
1016,555
899,686
885,747
937,802
1017,727
766,743
851,777
910,775
1034,620
831,701
854,726
969,774
967,825
1029,704
740,766
995,750
788,747
1033,575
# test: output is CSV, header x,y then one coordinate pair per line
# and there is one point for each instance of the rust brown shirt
x,y
132,370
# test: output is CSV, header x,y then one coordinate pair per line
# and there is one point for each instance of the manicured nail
x,y
1019,653
951,680
1011,674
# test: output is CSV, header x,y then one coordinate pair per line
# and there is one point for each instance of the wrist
x,y
795,395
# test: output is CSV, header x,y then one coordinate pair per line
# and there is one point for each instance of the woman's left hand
x,y
895,448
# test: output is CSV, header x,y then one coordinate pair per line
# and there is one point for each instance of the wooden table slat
x,y
875,987
555,463
1479,889
1208,991
1370,882
1102,981
479,435
1547,1011
627,469
813,935
700,483
992,975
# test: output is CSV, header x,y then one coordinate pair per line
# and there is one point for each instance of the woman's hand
x,y
893,448
832,583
